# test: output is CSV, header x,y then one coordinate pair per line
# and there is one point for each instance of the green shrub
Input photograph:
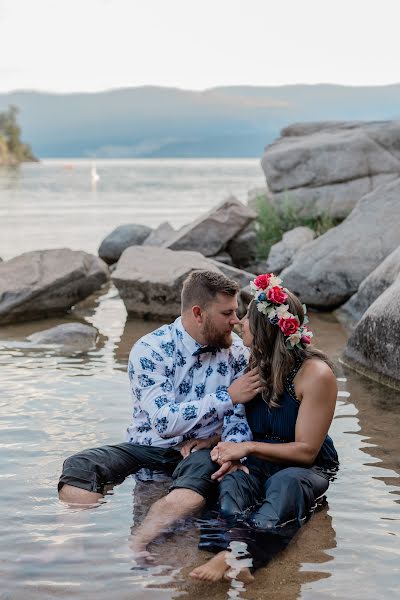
x,y
272,223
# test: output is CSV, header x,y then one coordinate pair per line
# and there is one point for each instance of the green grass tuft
x,y
272,223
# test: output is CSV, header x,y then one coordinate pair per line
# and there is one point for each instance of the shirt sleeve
x,y
151,380
235,427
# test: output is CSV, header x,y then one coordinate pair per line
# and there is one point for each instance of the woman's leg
x,y
290,497
239,493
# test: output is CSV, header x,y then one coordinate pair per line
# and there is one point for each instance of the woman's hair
x,y
270,353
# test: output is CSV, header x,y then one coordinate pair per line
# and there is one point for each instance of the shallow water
x,y
53,405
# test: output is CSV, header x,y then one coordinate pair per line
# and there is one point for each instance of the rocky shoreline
x,y
346,170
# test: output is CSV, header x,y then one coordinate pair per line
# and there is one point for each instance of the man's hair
x,y
201,287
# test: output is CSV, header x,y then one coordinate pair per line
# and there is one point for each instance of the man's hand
x,y
193,445
244,388
228,467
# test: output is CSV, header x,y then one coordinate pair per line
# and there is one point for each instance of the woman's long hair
x,y
270,353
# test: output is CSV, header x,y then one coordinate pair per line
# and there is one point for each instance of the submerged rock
x,y
370,289
328,271
44,283
210,233
72,336
373,348
121,238
149,279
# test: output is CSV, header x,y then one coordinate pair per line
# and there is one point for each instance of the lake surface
x,y
54,404
54,203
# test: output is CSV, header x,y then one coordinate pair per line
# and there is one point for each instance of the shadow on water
x,y
51,409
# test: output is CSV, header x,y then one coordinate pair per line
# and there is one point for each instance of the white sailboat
x,y
94,174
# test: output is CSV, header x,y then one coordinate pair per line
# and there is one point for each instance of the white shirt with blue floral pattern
x,y
178,396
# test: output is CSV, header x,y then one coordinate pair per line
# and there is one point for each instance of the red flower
x,y
306,340
276,295
289,326
262,281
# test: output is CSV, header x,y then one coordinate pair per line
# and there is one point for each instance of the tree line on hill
x,y
12,149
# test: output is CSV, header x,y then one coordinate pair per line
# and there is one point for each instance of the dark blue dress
x,y
264,508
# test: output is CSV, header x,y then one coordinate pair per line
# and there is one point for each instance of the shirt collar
x,y
190,344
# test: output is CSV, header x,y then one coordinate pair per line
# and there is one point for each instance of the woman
x,y
291,459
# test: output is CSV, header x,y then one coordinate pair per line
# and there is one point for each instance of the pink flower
x,y
289,326
262,281
276,295
306,336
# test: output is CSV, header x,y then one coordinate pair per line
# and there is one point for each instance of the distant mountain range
x,y
168,122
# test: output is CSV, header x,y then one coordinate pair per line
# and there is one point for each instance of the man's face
x,y
219,319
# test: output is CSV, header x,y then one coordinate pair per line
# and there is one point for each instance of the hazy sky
x,y
88,45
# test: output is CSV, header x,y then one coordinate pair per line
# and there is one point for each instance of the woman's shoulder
x,y
315,371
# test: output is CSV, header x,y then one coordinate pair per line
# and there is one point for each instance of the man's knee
x,y
184,498
74,495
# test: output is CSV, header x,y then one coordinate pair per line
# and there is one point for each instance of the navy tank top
x,y
277,424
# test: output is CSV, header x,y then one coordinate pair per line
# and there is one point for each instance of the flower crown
x,y
270,296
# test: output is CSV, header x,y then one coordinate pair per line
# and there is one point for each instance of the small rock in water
x,y
72,336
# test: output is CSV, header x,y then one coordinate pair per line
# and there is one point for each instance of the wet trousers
x,y
264,509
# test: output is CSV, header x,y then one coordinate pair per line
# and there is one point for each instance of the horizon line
x,y
194,91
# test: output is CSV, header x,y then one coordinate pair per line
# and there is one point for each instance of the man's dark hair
x,y
201,287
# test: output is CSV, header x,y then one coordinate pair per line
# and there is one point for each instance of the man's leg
x,y
86,475
192,486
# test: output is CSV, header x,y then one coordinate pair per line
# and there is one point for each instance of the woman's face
x,y
247,336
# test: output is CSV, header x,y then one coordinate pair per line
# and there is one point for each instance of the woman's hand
x,y
229,451
194,445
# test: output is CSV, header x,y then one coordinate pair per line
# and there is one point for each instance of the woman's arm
x,y
315,386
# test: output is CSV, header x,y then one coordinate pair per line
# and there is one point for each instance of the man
x,y
186,385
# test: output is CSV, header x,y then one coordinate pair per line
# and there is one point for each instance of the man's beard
x,y
216,338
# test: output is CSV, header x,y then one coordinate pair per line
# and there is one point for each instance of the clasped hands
x,y
228,455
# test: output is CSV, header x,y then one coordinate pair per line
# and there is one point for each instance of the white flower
x,y
283,311
294,338
274,281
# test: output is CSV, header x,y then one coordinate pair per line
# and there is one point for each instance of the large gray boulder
x,y
329,270
373,347
76,337
210,233
241,277
325,168
370,289
160,236
283,252
43,283
121,238
149,279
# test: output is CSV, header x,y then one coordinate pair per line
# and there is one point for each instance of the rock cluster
x,y
325,168
329,270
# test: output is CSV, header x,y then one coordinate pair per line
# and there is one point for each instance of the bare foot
x,y
140,554
243,575
213,570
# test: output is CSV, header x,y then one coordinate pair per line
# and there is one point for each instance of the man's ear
x,y
197,314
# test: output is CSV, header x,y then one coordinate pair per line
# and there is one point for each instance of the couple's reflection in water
x,y
176,551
